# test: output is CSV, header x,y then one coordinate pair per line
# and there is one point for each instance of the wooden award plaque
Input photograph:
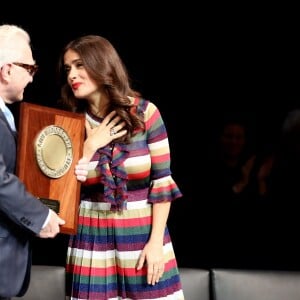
x,y
50,143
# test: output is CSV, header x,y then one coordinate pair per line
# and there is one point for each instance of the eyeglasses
x,y
31,69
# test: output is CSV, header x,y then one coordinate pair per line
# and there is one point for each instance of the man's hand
x,y
52,228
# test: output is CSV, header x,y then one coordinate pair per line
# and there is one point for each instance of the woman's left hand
x,y
153,256
111,128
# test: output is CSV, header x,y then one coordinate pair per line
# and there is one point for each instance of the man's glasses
x,y
31,69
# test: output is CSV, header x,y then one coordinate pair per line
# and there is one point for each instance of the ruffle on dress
x,y
113,175
164,189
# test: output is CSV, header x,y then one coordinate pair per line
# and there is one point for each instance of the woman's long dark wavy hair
x,y
103,64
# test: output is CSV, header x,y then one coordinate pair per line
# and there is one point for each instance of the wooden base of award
x,y
50,143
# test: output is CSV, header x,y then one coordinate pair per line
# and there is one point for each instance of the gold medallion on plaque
x,y
54,151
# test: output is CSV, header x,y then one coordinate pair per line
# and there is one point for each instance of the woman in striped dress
x,y
122,248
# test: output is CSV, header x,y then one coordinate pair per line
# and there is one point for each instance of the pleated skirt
x,y
102,256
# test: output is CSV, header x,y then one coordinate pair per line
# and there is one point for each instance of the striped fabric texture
x,y
102,256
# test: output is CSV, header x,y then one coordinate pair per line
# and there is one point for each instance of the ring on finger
x,y
112,131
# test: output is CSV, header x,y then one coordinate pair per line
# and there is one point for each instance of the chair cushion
x,y
47,283
252,284
195,283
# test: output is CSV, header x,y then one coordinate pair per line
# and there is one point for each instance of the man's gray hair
x,y
8,35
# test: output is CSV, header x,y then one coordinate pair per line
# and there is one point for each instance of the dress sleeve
x,y
163,187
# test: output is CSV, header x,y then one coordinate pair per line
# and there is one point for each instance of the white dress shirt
x,y
8,114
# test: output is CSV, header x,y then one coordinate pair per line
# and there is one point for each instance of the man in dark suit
x,y
22,216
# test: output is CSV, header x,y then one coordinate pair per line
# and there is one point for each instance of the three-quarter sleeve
x,y
163,187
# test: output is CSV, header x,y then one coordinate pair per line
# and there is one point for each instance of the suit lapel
x,y
2,117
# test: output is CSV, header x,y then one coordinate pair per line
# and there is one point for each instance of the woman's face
x,y
82,85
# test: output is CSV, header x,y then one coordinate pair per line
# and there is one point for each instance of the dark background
x,y
197,64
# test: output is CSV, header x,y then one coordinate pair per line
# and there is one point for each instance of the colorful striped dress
x,y
115,217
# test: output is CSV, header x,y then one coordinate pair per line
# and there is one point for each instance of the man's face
x,y
19,76
233,140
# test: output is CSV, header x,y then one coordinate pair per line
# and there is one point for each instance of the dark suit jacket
x,y
21,217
